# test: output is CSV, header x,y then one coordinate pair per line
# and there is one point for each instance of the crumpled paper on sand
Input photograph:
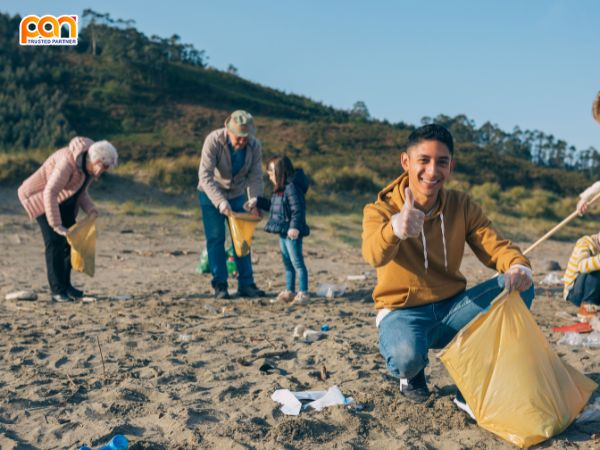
x,y
320,399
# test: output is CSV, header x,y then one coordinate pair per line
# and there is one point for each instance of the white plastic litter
x,y
21,295
320,399
552,279
120,298
291,405
330,290
298,330
356,277
581,340
306,334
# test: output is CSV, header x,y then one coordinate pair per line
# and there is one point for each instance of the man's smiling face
x,y
429,164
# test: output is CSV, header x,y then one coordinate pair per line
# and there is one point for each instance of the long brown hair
x,y
283,169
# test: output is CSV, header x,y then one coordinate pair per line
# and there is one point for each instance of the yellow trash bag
x,y
514,383
242,226
82,239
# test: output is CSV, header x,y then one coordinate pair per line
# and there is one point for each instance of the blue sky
x,y
534,63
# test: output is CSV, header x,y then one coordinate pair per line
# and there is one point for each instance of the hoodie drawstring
x,y
444,242
424,249
424,240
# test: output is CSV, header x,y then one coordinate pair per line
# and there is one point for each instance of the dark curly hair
x,y
431,132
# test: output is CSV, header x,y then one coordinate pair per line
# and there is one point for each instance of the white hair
x,y
105,152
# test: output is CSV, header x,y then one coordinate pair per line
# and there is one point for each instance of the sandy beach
x,y
181,370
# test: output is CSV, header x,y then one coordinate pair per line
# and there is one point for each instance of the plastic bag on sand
x,y
330,290
320,399
514,383
552,279
580,340
82,239
242,228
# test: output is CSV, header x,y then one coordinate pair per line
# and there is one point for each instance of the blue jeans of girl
x,y
291,253
406,335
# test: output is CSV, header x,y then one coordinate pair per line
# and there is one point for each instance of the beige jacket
x,y
214,173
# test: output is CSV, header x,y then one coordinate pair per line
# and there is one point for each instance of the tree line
x,y
118,80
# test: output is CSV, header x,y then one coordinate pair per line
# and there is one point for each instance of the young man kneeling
x,y
414,235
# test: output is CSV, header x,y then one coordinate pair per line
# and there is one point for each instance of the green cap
x,y
241,123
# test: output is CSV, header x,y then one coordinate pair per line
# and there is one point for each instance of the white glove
x,y
293,233
518,278
250,204
408,223
225,208
61,230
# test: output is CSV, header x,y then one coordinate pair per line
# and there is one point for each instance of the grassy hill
x,y
156,100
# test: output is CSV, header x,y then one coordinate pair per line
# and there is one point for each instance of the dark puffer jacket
x,y
287,209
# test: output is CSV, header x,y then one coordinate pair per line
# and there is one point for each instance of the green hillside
x,y
156,99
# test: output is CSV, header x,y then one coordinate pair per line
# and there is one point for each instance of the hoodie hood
x,y
77,147
300,180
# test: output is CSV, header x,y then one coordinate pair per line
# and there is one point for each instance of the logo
x,y
47,30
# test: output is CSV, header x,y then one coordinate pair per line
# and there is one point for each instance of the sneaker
x,y
284,296
301,298
587,312
250,291
416,389
60,298
74,293
460,401
221,291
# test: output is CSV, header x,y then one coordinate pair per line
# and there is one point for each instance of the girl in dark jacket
x,y
287,218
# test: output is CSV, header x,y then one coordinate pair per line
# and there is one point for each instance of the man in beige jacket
x,y
414,234
230,167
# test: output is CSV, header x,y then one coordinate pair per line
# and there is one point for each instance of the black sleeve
x,y
263,203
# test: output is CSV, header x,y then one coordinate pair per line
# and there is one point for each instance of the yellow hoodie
x,y
423,270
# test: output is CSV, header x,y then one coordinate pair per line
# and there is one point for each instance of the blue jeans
x,y
586,289
214,230
291,253
406,335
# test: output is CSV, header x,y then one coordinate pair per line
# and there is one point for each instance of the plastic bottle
x,y
231,266
230,262
118,442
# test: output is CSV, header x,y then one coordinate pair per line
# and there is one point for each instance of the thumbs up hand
x,y
409,221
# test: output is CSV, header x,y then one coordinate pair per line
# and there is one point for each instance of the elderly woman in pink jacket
x,y
53,196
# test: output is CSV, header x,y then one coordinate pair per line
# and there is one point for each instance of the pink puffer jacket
x,y
58,179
